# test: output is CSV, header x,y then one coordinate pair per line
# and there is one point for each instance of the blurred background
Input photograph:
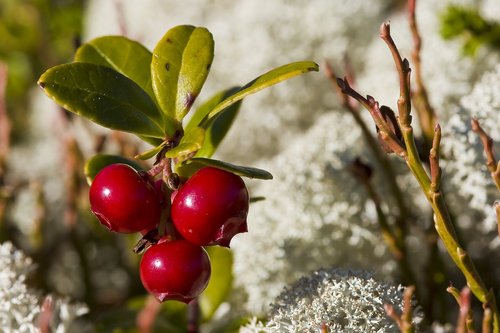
x,y
316,213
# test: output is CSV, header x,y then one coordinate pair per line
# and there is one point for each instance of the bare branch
x,y
426,114
435,169
497,210
5,125
404,71
147,316
491,161
487,321
46,314
386,131
404,321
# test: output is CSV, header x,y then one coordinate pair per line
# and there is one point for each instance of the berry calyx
x,y
123,200
211,207
175,270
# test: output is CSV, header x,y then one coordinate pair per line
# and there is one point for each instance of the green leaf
x,y
220,283
192,165
125,56
181,62
190,143
129,58
265,80
200,115
152,141
216,129
104,96
100,161
150,153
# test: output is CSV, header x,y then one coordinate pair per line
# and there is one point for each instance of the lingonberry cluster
x,y
187,200
208,209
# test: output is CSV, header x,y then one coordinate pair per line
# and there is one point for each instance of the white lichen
x,y
315,213
342,300
20,305
470,189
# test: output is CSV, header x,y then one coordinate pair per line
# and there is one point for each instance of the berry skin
x,y
211,207
175,270
123,200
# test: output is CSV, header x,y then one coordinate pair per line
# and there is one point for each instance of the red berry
x,y
211,207
175,270
123,200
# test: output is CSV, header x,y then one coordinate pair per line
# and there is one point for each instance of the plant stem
x,y
396,246
395,239
487,319
381,158
5,128
491,161
425,112
465,320
193,316
404,321
442,220
46,314
497,210
146,317
5,125
407,316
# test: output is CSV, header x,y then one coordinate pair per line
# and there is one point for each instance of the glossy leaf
x,y
99,161
265,80
216,129
180,65
150,153
129,58
200,115
190,143
220,283
104,96
190,166
125,56
152,141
